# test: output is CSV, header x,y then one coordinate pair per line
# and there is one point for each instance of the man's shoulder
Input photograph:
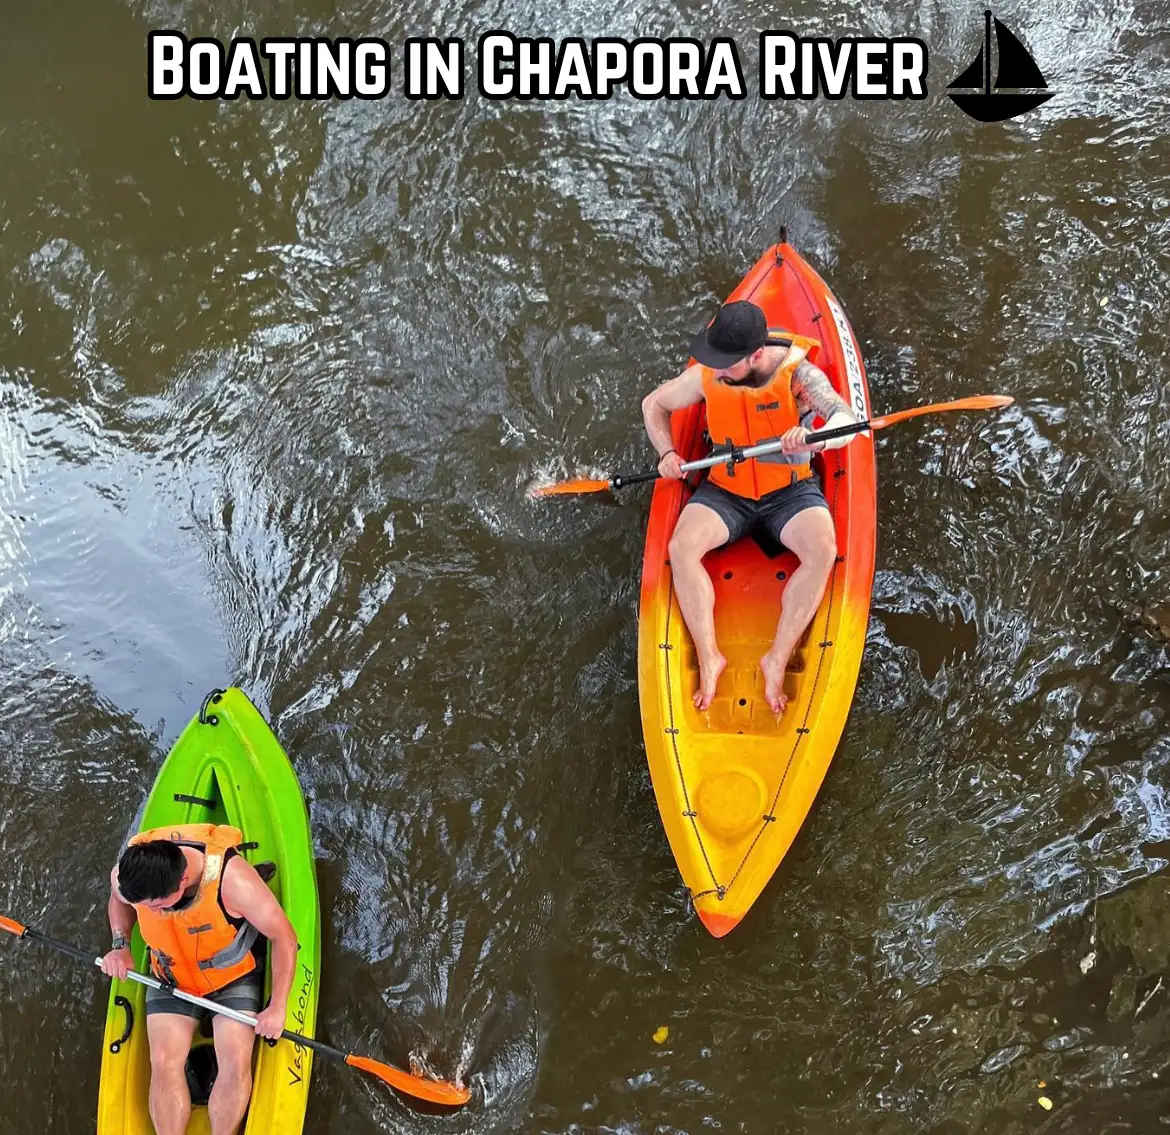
x,y
239,884
238,868
806,370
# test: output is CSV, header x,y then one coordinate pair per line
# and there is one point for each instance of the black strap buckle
x,y
733,453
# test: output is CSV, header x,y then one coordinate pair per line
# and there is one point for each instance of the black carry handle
x,y
116,1045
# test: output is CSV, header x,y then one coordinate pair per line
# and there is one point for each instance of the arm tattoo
x,y
815,395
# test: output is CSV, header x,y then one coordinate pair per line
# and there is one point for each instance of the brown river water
x,y
275,376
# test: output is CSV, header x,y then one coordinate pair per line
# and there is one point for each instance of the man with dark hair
x,y
200,907
150,871
757,388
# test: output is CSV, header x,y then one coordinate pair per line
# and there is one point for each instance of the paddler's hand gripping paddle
x,y
433,1091
620,480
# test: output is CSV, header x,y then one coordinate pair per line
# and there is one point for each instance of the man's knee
x,y
234,1057
235,1070
683,546
166,1062
819,552
693,542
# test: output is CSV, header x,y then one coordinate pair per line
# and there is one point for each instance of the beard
x,y
756,376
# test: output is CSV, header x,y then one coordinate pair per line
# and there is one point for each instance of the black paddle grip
x,y
621,480
838,431
64,947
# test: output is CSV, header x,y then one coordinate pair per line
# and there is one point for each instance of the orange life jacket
x,y
197,948
750,415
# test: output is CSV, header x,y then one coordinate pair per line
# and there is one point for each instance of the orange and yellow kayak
x,y
735,782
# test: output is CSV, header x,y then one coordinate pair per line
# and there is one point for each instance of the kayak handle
x,y
213,698
116,1045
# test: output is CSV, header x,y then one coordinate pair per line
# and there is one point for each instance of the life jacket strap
x,y
236,952
734,455
161,964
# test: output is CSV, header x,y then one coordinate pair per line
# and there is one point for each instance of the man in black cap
x,y
757,387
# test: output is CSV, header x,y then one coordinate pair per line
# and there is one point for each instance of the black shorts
x,y
244,994
770,512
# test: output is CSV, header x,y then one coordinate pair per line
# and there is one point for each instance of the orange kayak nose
x,y
718,924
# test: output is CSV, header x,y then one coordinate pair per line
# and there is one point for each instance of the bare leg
x,y
699,530
233,1081
170,1036
810,534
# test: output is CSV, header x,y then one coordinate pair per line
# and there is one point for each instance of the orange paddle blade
x,y
569,487
979,402
12,926
433,1091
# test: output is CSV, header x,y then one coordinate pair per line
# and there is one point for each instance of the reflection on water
x,y
275,379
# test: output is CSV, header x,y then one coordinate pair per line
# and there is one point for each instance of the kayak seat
x,y
768,544
267,872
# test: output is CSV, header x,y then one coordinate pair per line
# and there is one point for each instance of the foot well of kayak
x,y
202,1068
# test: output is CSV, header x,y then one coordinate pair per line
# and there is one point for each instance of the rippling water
x,y
274,378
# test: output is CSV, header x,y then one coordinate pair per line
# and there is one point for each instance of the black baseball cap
x,y
737,330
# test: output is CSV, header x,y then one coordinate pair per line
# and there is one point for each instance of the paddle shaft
x,y
434,1091
202,1002
735,456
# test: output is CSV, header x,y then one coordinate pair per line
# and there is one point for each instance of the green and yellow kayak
x,y
227,767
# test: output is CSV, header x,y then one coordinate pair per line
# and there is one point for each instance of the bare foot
x,y
773,667
709,672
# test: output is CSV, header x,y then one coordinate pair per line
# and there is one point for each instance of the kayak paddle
x,y
735,456
432,1091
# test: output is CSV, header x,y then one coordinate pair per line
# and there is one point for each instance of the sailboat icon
x,y
1016,69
